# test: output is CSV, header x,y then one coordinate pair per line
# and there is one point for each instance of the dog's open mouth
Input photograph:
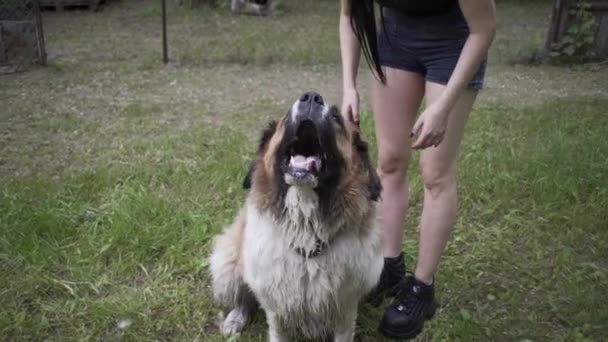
x,y
304,160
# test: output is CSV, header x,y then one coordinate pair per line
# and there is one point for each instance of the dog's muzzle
x,y
305,157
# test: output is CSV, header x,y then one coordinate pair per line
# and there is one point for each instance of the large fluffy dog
x,y
305,246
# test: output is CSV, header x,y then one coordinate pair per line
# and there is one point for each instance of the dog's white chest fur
x,y
309,296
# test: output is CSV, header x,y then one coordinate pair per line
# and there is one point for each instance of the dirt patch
x,y
226,89
60,119
532,85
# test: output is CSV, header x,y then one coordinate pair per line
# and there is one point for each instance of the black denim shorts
x,y
429,45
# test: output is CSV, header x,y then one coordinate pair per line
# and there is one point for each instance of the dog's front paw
x,y
234,322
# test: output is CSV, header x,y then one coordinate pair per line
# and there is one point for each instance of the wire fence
x,y
21,35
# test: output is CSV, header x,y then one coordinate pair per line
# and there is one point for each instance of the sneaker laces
x,y
407,297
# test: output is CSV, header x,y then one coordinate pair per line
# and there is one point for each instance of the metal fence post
x,y
164,15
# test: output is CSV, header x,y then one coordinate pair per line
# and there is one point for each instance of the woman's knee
x,y
392,164
437,179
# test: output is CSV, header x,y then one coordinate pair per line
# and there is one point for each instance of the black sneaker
x,y
413,305
393,273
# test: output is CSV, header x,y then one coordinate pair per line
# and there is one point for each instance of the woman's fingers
x,y
422,141
417,127
347,112
350,109
428,139
355,114
438,139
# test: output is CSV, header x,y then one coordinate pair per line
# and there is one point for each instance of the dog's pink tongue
x,y
306,163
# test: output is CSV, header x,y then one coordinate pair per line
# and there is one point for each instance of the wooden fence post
x,y
39,33
562,20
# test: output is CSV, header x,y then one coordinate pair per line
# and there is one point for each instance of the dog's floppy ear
x,y
362,148
267,133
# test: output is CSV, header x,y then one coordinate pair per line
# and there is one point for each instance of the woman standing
x,y
435,49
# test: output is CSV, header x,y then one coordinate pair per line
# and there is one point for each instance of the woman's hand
x,y
430,126
350,105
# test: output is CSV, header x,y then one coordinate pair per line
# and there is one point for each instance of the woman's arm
x,y
350,52
349,48
481,18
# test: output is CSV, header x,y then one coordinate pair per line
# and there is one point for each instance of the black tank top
x,y
420,7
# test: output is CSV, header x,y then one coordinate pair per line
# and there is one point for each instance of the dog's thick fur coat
x,y
255,261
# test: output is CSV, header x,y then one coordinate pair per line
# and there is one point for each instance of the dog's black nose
x,y
313,97
309,106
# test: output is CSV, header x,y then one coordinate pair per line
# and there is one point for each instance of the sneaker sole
x,y
411,333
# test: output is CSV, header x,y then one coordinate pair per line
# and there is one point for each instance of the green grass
x,y
527,261
116,172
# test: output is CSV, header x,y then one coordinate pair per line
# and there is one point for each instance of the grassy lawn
x,y
116,172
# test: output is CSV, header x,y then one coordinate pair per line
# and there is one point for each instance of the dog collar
x,y
320,246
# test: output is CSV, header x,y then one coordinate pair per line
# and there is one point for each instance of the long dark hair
x,y
363,23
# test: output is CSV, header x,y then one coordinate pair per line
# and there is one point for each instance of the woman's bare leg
x,y
438,169
395,105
